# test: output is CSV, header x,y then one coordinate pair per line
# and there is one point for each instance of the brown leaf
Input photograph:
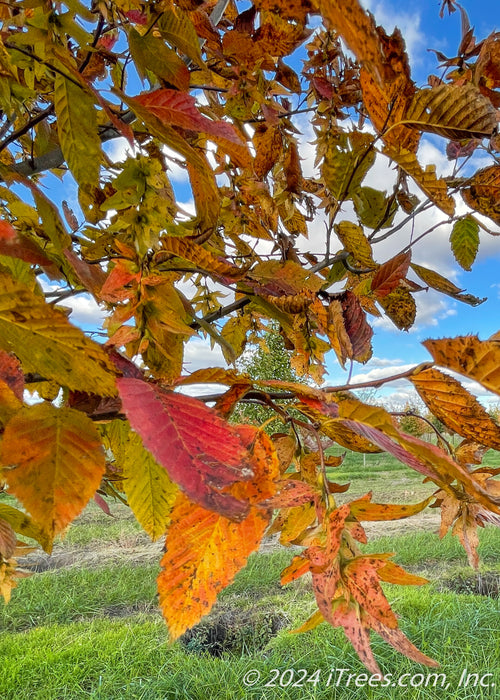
x,y
483,193
268,147
400,307
388,275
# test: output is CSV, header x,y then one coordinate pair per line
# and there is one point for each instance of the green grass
x,y
92,629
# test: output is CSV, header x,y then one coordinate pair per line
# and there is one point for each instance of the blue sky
x,y
437,315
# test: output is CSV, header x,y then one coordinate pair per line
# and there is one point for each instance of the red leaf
x,y
11,373
17,246
179,109
357,328
200,452
388,276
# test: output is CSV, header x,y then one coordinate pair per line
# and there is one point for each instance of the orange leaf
x,y
204,550
396,638
359,32
11,373
392,573
363,582
347,615
299,566
388,276
461,412
56,463
203,553
8,540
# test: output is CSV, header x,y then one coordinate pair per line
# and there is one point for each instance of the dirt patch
x,y
237,631
137,550
485,583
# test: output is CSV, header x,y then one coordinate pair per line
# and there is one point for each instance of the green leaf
x,y
77,130
151,54
176,27
150,492
464,241
46,343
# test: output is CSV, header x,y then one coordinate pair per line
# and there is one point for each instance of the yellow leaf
x,y
54,462
24,525
47,344
461,412
77,130
355,242
436,189
477,359
400,306
149,491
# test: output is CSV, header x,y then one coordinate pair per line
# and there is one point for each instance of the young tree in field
x,y
211,89
267,359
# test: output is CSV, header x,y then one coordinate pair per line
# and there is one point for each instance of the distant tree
x,y
267,358
410,421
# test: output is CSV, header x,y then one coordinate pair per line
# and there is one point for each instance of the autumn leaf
x,y
453,111
454,406
204,550
200,452
177,108
363,582
388,275
150,492
77,129
363,509
443,285
476,359
46,343
53,463
464,240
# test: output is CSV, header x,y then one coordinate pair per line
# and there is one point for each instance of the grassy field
x,y
86,625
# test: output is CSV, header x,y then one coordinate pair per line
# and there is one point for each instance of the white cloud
x,y
198,354
85,311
